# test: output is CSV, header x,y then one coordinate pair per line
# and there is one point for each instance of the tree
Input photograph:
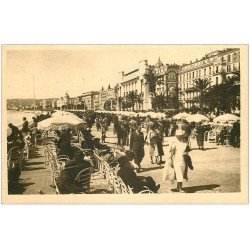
x,y
107,105
201,86
153,80
159,101
173,98
131,98
225,96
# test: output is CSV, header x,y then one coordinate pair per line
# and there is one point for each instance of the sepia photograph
x,y
125,124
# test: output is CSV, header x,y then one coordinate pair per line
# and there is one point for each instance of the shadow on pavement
x,y
151,168
194,189
205,149
32,169
34,163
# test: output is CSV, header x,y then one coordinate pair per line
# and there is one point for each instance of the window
x,y
189,75
229,58
180,78
193,74
228,68
210,70
217,69
196,74
205,72
216,80
199,73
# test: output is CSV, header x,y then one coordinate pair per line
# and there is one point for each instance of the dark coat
x,y
66,179
25,127
137,183
137,146
129,177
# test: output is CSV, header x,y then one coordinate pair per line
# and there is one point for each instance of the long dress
x,y
175,153
200,136
137,146
152,140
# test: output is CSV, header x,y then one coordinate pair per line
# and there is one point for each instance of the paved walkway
x,y
217,169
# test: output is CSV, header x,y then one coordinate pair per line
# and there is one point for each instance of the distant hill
x,y
24,103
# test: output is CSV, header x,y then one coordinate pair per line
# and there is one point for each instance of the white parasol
x,y
197,118
182,115
227,118
61,122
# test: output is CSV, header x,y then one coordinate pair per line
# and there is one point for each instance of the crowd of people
x,y
126,157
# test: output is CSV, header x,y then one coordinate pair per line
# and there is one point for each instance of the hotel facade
x,y
171,78
211,66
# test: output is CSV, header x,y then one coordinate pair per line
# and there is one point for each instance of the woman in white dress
x,y
175,160
152,142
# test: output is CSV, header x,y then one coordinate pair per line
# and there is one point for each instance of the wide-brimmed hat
x,y
179,132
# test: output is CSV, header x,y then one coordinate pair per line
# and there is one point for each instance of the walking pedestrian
x,y
137,146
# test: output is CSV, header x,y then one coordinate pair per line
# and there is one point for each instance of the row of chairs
x,y
115,183
56,163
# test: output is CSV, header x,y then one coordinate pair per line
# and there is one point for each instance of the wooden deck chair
x,y
83,180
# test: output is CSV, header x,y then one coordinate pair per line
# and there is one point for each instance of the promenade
x,y
216,169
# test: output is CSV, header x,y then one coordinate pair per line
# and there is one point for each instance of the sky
x,y
81,68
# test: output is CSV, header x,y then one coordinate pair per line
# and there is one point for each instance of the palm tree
x,y
201,86
132,98
153,80
173,98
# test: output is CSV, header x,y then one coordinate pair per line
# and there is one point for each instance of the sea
x,y
16,117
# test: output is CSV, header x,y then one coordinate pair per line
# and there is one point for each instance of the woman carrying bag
x,y
177,161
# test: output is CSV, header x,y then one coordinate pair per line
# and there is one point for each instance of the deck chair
x,y
82,180
124,188
146,190
211,137
117,185
28,150
15,156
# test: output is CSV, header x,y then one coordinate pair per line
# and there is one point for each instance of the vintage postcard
x,y
125,124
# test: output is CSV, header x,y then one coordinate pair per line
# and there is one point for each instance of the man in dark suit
x,y
129,177
137,146
25,127
66,180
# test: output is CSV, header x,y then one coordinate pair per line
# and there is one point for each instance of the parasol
x,y
227,118
182,115
61,122
197,118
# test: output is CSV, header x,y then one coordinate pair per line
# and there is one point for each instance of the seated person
x,y
64,145
15,142
129,177
66,180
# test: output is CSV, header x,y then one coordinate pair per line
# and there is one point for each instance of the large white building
x,y
211,66
136,80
